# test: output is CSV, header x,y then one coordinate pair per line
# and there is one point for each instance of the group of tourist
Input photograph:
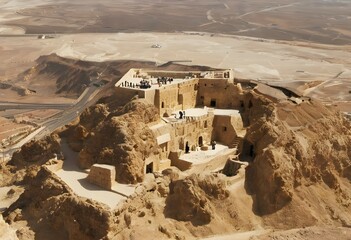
x,y
164,80
128,84
143,84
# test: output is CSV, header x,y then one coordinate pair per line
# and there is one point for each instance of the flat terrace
x,y
144,79
75,178
194,113
204,156
151,83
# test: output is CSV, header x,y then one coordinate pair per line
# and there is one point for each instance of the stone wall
x,y
224,131
170,98
227,128
102,175
219,93
191,131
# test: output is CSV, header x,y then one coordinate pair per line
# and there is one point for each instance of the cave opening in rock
x,y
248,151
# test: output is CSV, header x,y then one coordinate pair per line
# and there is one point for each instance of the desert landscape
x,y
175,119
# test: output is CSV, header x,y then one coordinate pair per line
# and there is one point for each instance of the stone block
x,y
102,175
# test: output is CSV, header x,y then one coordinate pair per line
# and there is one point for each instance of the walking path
x,y
75,178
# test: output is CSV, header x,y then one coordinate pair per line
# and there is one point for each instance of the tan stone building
x,y
196,109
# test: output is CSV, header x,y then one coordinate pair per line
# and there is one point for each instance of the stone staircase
x,y
236,143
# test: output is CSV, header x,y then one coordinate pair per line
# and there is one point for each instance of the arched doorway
x,y
187,148
201,142
150,168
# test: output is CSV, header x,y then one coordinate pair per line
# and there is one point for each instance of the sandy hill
x,y
53,75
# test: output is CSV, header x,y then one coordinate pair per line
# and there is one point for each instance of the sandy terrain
x,y
308,22
36,116
311,20
250,58
9,130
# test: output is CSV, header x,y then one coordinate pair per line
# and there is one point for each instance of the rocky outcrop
x,y
295,146
189,199
38,152
6,175
48,204
120,138
88,120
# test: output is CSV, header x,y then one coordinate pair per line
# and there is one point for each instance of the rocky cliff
x,y
53,211
116,136
172,205
299,151
38,152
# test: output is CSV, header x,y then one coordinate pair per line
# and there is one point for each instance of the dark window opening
x,y
213,103
201,141
224,129
150,168
205,124
162,105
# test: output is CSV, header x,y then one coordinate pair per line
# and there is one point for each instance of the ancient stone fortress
x,y
200,119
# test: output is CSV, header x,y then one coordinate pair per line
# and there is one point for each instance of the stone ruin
x,y
102,175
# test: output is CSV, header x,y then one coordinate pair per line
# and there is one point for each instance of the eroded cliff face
x,y
189,198
38,152
299,149
27,161
52,210
172,205
118,137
